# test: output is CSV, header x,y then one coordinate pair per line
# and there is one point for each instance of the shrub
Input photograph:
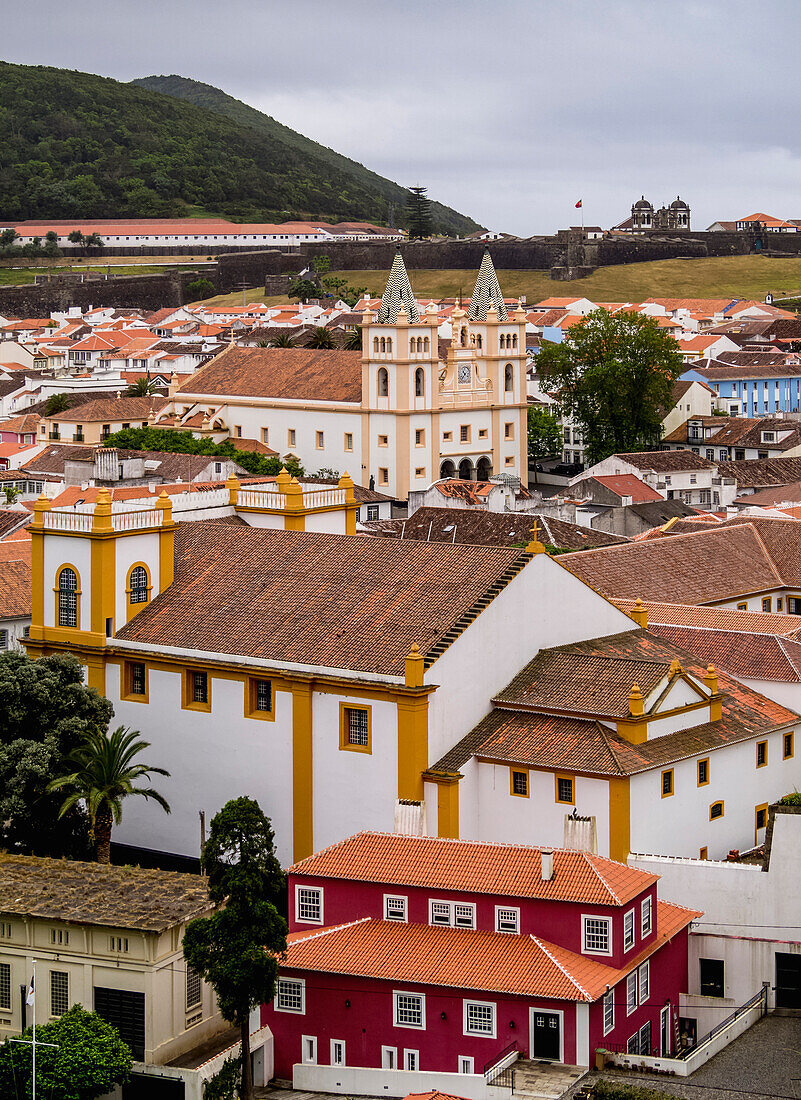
x,y
618,1090
200,288
793,799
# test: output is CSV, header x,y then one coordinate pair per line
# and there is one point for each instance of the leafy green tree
x,y
11,493
224,1085
304,289
544,433
94,240
89,1058
321,337
420,223
200,289
321,264
175,442
47,712
51,244
57,403
7,237
76,237
104,771
614,374
237,948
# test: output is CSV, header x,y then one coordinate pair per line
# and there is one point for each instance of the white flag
x,y
29,998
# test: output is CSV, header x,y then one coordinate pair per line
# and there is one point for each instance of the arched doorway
x,y
466,470
483,469
447,469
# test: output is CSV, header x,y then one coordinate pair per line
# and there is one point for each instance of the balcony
x,y
78,437
54,435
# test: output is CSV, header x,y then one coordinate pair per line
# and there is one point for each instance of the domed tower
x,y
642,214
680,213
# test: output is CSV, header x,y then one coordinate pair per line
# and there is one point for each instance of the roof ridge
x,y
767,554
794,663
332,928
606,736
590,857
541,944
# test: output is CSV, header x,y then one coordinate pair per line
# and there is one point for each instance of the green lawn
x,y
11,274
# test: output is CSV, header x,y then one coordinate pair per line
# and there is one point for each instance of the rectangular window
x,y
742,606
667,783
309,904
509,430
646,916
452,914
119,943
411,1060
703,772
137,682
766,604
354,728
507,919
419,437
644,979
633,1044
519,783
703,853
788,746
464,433
394,907
609,1011
200,687
194,988
291,995
59,936
440,913
464,916
265,435
383,475
372,511
59,992
320,440
482,433
628,930
597,935
309,1048
3,639
419,471
466,1065
263,695
446,436
761,754
631,992
348,441
5,986
564,789
291,437
389,1057
409,1010
645,1038
711,977
383,441
715,810
337,1052
479,1018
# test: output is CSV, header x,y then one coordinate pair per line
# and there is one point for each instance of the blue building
x,y
759,383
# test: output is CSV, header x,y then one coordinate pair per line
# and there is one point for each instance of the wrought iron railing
x,y
758,998
499,1071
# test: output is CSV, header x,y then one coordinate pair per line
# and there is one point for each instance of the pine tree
x,y
418,210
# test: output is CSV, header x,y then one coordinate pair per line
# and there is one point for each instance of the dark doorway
x,y
143,1087
466,470
546,1035
447,469
126,1011
483,469
788,980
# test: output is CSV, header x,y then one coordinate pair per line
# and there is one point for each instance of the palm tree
x,y
281,340
353,341
321,337
142,387
103,775
57,403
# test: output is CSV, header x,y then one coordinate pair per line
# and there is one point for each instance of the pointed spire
x,y
398,293
487,292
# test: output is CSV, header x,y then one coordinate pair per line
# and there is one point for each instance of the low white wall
x,y
355,1081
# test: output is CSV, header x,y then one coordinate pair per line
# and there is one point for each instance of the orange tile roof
x,y
717,618
290,373
28,422
15,588
513,870
756,656
525,966
628,485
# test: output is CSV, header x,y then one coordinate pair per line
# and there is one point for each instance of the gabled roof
x,y
487,292
398,293
755,656
25,424
110,409
664,461
718,618
627,485
294,374
514,870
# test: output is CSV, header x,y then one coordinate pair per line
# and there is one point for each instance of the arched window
x,y
375,344
138,585
464,338
420,344
67,597
508,378
447,469
514,340
383,382
478,341
483,469
426,344
419,382
383,344
389,343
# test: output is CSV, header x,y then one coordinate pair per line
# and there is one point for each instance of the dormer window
x,y
768,437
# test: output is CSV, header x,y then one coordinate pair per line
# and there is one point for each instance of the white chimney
x,y
547,864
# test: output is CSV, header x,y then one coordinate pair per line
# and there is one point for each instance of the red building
x,y
438,955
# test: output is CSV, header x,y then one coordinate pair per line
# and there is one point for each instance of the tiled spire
x,y
487,293
398,293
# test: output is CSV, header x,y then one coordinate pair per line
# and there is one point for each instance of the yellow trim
x,y
126,676
412,745
785,754
104,567
742,606
759,745
96,672
37,572
572,779
699,781
763,808
251,689
717,802
703,853
302,772
667,794
766,600
132,609
59,571
518,771
619,818
447,803
188,691
344,743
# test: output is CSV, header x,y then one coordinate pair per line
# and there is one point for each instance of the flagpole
x,y
33,987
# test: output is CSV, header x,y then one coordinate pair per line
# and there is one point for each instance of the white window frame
x,y
647,907
451,907
631,992
594,950
644,969
334,1044
309,889
396,994
312,1059
466,1030
507,909
411,1054
609,1010
466,1064
5,1003
291,981
457,905
629,934
404,905
389,1054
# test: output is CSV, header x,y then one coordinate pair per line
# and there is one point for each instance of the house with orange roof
x,y
462,957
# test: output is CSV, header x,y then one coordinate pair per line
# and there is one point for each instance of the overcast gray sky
x,y
508,110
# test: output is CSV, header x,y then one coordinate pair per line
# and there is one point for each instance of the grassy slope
x,y
214,99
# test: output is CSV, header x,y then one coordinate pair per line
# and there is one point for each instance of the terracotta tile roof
x,y
111,409
459,958
758,473
15,587
756,656
740,431
292,373
717,618
11,519
462,525
471,492
97,893
779,494
514,870
331,600
628,485
666,461
28,422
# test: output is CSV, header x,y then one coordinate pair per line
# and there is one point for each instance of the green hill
x,y
383,190
83,146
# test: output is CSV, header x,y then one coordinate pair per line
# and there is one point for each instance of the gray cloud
x,y
508,110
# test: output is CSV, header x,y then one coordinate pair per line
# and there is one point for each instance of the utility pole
x,y
244,286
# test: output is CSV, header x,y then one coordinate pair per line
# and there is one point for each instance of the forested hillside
x,y
79,145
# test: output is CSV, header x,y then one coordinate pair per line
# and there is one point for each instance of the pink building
x,y
443,956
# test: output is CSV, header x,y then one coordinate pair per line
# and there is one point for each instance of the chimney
x,y
547,864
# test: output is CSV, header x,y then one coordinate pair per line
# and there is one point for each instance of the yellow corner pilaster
x,y
166,542
295,519
104,559
448,809
412,746
619,818
302,772
36,529
96,673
